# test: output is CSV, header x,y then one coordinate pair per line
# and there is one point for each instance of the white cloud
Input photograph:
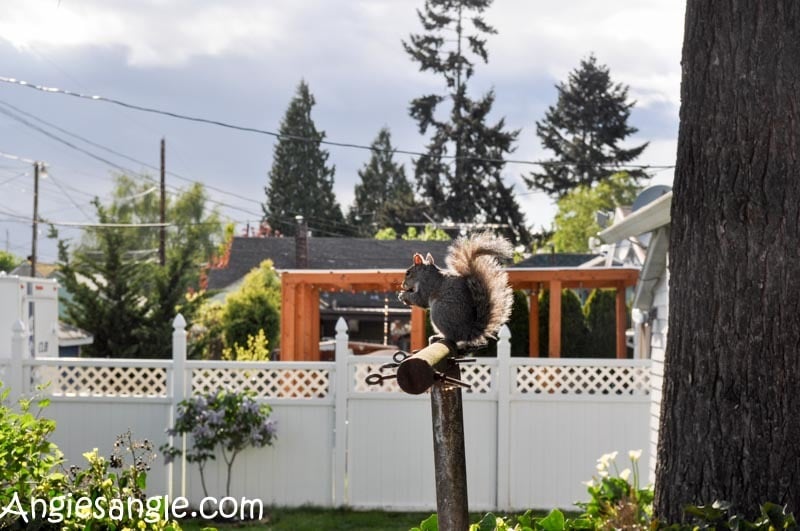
x,y
239,60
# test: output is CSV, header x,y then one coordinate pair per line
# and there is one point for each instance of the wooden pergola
x,y
300,319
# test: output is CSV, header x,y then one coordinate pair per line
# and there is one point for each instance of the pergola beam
x,y
300,290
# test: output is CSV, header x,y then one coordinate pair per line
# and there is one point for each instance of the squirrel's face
x,y
414,275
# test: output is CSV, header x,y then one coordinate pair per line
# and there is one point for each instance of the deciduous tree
x,y
8,261
576,219
729,419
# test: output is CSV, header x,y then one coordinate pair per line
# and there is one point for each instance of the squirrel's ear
x,y
418,259
429,259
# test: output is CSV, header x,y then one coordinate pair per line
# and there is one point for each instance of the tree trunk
x,y
730,418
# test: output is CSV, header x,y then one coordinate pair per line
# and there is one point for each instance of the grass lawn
x,y
311,519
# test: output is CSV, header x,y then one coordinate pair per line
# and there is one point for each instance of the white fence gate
x,y
534,428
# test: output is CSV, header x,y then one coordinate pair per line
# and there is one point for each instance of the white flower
x,y
635,455
605,460
601,467
603,474
625,474
589,483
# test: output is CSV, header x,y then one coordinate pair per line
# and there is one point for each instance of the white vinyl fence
x,y
534,428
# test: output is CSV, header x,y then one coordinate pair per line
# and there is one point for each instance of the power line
x,y
108,225
65,142
247,129
66,194
123,155
123,169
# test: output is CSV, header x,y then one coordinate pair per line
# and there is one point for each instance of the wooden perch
x,y
416,373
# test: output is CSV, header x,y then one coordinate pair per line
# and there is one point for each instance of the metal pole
x,y
35,235
449,457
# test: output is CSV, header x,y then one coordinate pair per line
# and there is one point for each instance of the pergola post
x,y
554,339
533,323
418,339
288,323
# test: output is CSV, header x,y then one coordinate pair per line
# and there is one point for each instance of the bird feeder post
x,y
436,368
449,457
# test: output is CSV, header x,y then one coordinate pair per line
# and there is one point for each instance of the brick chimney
x,y
301,244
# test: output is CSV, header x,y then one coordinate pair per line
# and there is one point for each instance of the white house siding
x,y
658,347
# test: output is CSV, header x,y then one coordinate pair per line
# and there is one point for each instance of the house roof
x,y
323,253
70,336
559,260
648,218
653,217
43,270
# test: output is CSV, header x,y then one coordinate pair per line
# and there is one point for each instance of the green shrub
x,y
519,324
601,317
28,460
574,333
115,488
37,493
617,501
255,306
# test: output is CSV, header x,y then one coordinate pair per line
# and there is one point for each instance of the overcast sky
x,y
240,61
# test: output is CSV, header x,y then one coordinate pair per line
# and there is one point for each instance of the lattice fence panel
x,y
265,383
478,376
583,380
102,381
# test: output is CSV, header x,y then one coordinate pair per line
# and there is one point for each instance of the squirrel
x,y
470,300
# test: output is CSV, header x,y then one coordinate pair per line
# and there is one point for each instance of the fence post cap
x,y
179,322
18,327
505,332
341,325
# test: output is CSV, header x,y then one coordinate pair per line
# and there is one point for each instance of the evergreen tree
x,y
105,288
460,177
384,197
584,130
118,291
300,181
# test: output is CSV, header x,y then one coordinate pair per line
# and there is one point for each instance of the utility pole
x,y
35,224
162,243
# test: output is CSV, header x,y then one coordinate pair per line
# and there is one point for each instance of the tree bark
x,y
730,417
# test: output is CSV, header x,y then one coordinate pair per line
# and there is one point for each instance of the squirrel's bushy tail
x,y
476,258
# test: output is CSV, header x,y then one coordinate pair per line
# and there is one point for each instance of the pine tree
x,y
460,177
584,130
105,288
129,301
384,198
300,181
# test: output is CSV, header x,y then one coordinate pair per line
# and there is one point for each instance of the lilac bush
x,y
225,421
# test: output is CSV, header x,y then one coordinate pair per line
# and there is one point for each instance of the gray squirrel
x,y
470,300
